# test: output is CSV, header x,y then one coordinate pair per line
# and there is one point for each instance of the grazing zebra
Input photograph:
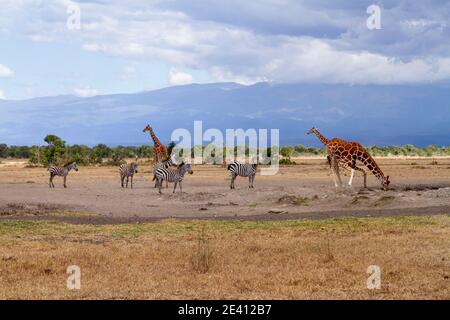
x,y
127,171
244,170
61,171
172,175
164,164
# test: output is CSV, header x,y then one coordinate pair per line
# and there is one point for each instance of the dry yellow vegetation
x,y
302,259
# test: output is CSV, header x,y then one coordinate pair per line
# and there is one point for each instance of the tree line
x,y
58,152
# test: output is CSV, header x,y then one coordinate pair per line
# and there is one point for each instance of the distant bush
x,y
287,161
57,152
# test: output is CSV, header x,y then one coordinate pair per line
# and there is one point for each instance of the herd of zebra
x,y
166,170
341,154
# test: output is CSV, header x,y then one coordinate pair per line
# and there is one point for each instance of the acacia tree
x,y
56,152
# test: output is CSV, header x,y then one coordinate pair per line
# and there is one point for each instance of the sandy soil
x,y
419,186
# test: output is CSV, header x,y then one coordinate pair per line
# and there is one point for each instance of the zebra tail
x,y
228,167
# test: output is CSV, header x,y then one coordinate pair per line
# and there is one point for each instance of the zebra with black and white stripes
x,y
61,171
244,170
169,162
172,175
128,171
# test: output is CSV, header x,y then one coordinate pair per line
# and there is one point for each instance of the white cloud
x,y
179,77
2,95
85,91
40,38
328,43
5,71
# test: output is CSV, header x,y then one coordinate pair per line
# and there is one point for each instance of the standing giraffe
x,y
159,150
344,154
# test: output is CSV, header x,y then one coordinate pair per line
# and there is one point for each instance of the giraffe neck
x,y
375,168
155,139
324,140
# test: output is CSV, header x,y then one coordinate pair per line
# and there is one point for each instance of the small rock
x,y
277,211
203,209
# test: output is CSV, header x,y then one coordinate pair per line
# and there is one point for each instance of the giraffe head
x,y
312,130
385,183
147,128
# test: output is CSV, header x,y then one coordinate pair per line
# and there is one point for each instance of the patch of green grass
x,y
30,230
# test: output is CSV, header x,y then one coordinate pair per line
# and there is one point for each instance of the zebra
x,y
172,175
127,171
244,170
163,164
61,171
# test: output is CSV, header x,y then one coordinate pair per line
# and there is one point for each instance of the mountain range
x,y
370,114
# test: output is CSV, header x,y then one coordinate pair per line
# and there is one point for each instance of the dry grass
x,y
214,260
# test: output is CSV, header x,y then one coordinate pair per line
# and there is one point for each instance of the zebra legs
x,y
50,183
156,182
65,178
251,180
132,182
233,177
175,186
159,182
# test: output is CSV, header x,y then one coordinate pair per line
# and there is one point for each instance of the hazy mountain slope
x,y
371,114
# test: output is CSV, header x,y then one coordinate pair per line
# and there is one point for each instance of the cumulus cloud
x,y
179,77
265,40
85,91
5,71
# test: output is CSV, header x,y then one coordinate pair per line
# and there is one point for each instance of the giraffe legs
x,y
335,171
351,177
364,173
355,168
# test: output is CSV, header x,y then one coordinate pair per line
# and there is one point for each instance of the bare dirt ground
x,y
306,190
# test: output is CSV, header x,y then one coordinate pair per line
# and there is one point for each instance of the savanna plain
x,y
292,237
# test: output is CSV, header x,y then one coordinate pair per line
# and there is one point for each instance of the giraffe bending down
x,y
344,154
160,152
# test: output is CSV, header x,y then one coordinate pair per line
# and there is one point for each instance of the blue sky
x,y
130,46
